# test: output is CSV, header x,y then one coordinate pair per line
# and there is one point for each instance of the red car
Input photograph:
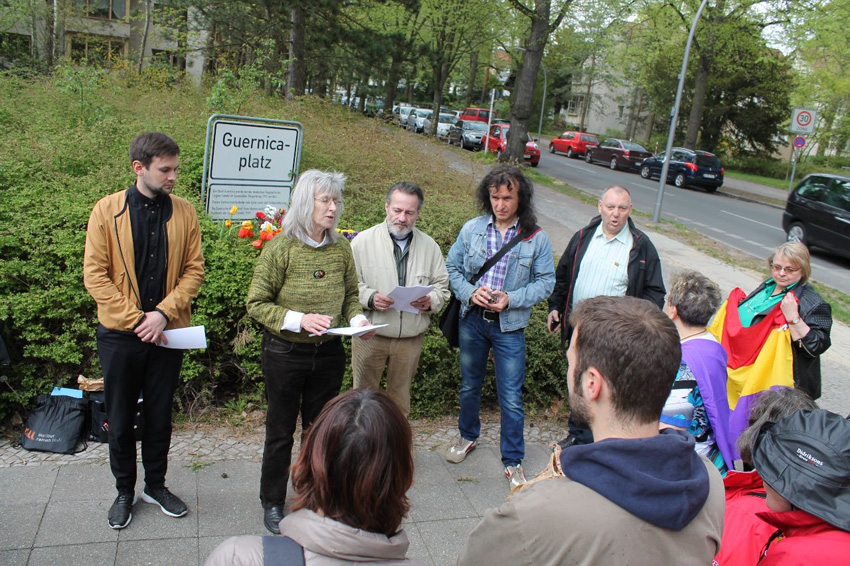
x,y
573,143
497,141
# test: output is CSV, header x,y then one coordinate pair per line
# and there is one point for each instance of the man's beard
x,y
399,231
578,409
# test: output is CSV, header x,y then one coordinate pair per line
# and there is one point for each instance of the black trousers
x,y
299,378
130,368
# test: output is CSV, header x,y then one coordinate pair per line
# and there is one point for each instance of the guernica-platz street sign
x,y
249,163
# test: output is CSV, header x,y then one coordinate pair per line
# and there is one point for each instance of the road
x,y
753,228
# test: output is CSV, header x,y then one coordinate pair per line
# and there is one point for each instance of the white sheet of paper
x,y
186,338
403,296
352,330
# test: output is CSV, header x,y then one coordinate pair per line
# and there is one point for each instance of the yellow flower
x,y
228,223
233,210
248,224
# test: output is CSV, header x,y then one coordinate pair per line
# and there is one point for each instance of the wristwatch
x,y
796,320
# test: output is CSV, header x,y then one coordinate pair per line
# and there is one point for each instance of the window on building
x,y
105,9
171,58
621,111
14,49
95,50
575,105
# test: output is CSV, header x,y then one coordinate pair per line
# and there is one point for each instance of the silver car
x,y
403,113
444,122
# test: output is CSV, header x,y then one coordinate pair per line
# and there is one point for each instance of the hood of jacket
x,y
658,479
337,540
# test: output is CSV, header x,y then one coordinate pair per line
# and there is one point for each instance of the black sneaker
x,y
170,504
120,514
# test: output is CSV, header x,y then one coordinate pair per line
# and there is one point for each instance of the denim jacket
x,y
530,274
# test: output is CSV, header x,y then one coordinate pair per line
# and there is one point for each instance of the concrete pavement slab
x,y
14,557
85,482
20,523
75,522
431,467
484,494
446,539
102,553
230,506
153,552
435,502
23,484
417,549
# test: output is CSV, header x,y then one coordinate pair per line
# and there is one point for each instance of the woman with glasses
x,y
304,283
808,316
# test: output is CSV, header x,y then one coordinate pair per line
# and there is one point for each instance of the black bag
x,y
55,425
450,319
449,322
98,429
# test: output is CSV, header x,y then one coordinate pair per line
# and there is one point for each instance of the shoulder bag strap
x,y
502,251
282,551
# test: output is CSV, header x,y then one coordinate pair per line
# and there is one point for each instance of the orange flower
x,y
228,223
246,233
257,244
265,235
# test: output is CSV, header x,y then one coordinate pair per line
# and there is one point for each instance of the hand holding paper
x,y
405,296
185,338
353,330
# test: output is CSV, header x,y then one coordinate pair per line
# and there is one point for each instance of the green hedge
x,y
65,146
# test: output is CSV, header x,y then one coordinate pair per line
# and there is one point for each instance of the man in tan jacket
x,y
143,265
392,254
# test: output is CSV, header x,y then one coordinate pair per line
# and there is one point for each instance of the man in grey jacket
x,y
388,255
637,495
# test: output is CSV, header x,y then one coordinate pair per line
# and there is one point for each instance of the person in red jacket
x,y
744,533
804,460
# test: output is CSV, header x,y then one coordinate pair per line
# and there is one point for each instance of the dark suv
x,y
818,213
688,168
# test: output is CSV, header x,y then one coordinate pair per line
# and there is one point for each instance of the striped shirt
x,y
495,276
604,267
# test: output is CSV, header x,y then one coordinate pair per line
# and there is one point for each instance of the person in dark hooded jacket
x,y
636,495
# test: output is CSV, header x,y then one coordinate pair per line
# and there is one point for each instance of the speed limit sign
x,y
803,120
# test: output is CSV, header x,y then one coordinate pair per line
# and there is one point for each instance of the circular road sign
x,y
804,118
799,142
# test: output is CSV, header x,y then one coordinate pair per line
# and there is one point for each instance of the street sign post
x,y
803,120
249,163
799,142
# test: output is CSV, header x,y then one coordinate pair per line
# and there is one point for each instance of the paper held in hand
x,y
352,330
185,338
403,296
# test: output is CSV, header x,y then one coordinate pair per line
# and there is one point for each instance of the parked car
x,y
573,143
497,140
618,154
403,114
468,134
416,120
688,168
480,114
817,213
444,121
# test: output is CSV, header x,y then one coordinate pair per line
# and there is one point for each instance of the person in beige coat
x,y
636,495
388,255
346,512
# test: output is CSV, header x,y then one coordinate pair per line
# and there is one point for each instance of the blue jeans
x,y
477,337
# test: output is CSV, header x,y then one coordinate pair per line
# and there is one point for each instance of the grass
x,y
769,181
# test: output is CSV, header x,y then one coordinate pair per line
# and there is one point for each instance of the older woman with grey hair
x,y
698,402
304,283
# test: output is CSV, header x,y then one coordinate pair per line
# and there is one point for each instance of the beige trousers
x,y
399,355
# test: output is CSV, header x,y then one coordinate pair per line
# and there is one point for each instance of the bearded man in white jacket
x,y
388,255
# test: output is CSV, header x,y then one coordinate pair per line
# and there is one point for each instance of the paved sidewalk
x,y
53,507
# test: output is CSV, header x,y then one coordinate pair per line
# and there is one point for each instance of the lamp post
x,y
674,115
543,102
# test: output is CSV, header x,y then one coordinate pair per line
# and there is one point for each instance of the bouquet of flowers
x,y
263,227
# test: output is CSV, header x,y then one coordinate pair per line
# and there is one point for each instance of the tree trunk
x,y
145,32
700,88
473,71
585,106
392,82
523,94
297,66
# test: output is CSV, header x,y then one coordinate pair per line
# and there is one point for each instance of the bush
x,y
65,147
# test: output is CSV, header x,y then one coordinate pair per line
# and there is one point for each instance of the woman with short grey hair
x,y
698,402
304,283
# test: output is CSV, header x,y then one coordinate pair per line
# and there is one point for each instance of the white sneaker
x,y
458,451
515,475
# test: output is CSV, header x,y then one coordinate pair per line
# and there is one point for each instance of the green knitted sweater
x,y
291,275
